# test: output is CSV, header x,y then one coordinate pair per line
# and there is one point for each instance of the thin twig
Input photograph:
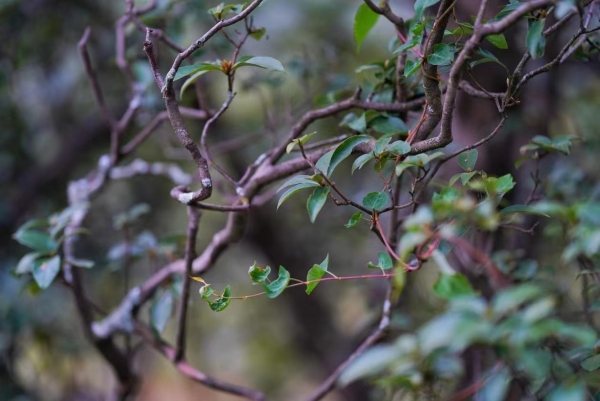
x,y
190,255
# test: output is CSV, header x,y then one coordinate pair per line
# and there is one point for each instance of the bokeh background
x,y
52,132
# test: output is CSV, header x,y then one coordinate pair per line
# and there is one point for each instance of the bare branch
x,y
93,78
190,255
179,127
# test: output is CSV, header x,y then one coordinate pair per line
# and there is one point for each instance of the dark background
x,y
52,132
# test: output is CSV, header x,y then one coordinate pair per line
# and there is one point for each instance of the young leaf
x,y
323,163
536,41
302,140
295,189
497,40
466,177
450,286
205,292
344,150
257,274
192,69
364,20
384,262
443,54
410,67
358,124
399,148
161,310
525,209
258,34
299,179
223,301
222,10
268,63
380,145
315,202
45,270
191,80
354,220
276,287
421,5
362,160
376,200
467,160
504,184
36,240
316,273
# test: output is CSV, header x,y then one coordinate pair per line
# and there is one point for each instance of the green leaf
x,y
26,263
376,200
223,301
316,273
449,286
323,163
591,363
222,10
388,125
364,20
464,178
205,292
536,41
257,274
399,148
161,310
192,69
287,194
276,287
467,160
36,240
462,29
561,144
421,5
354,220
410,67
257,34
505,184
526,209
486,58
302,140
45,270
344,150
191,80
443,54
362,160
497,40
299,179
86,264
315,202
380,145
358,124
384,262
268,63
